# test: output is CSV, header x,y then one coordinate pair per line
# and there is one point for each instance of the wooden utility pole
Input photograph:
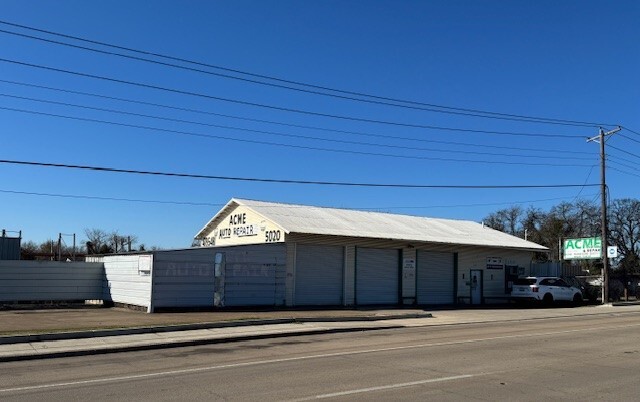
x,y
601,138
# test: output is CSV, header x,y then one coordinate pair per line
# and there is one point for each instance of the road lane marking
x,y
301,358
384,387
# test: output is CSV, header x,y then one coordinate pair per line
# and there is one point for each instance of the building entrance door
x,y
476,286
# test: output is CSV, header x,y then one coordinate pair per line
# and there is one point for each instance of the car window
x,y
525,281
547,282
561,282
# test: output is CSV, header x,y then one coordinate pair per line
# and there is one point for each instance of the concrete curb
x,y
183,343
625,303
54,336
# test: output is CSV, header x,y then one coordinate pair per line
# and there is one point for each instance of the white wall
x,y
493,279
127,279
50,281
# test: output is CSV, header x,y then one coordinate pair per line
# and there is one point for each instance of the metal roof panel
x,y
352,223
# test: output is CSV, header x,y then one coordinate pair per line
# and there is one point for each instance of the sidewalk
x,y
36,334
226,328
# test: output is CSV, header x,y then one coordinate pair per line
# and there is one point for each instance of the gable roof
x,y
352,223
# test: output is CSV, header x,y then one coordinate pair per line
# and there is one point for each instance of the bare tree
x,y
97,241
624,225
102,242
505,220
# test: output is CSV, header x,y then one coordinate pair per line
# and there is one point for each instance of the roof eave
x,y
208,225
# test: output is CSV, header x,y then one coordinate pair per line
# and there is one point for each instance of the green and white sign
x,y
582,249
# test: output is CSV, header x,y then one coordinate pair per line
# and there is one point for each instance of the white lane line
x,y
300,358
384,387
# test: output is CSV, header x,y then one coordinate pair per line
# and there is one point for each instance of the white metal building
x,y
263,253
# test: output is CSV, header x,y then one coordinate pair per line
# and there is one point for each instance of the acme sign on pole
x,y
583,248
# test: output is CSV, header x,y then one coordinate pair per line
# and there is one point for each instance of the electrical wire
x,y
610,158
629,138
585,182
377,99
261,105
482,204
90,197
280,181
324,129
622,171
630,130
310,148
188,203
624,151
624,165
456,151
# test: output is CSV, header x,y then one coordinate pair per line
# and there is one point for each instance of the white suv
x,y
545,289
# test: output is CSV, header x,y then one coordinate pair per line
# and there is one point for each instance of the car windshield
x,y
525,281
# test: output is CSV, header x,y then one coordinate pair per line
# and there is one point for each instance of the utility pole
x,y
59,246
601,138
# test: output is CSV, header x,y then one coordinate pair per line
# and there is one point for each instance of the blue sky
x,y
572,60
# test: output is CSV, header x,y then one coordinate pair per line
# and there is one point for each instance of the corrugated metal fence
x,y
555,269
9,248
22,281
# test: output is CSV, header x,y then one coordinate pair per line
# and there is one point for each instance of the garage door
x,y
435,278
319,273
377,276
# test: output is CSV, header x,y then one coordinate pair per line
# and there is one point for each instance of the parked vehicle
x,y
546,290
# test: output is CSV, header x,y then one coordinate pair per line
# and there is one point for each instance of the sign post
x,y
591,248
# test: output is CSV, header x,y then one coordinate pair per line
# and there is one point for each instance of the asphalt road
x,y
574,358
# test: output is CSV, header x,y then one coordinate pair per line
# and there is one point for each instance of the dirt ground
x,y
26,321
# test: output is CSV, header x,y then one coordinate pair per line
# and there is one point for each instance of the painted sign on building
x,y
495,263
582,249
243,226
409,269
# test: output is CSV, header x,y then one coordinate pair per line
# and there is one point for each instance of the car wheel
x,y
547,300
577,299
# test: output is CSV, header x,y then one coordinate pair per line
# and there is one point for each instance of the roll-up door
x,y
435,278
319,275
377,276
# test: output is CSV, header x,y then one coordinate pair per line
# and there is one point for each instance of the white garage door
x,y
377,276
319,273
435,278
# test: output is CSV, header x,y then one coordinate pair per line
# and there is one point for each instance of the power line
x,y
292,88
278,133
609,158
377,99
629,138
280,181
622,171
630,130
272,107
90,197
310,148
188,203
624,165
490,204
324,129
585,182
623,151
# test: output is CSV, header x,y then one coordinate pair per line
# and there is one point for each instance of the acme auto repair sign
x,y
243,226
582,249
